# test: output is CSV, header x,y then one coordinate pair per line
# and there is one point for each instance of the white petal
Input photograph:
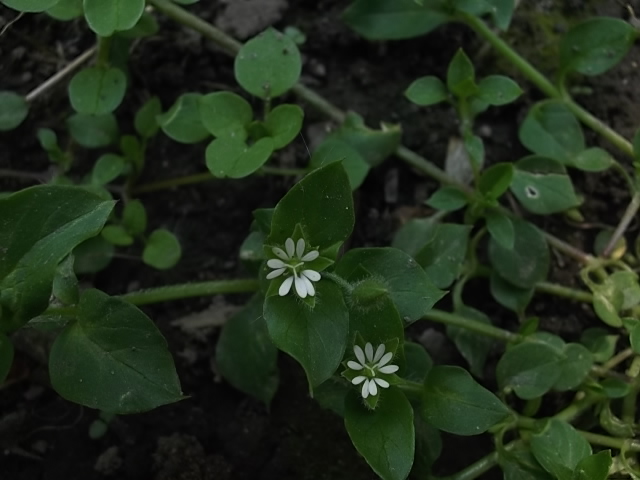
x,y
289,247
275,263
359,354
311,275
278,252
368,351
286,286
301,288
373,389
354,365
358,380
276,273
300,248
386,358
389,369
382,383
379,352
312,255
310,288
365,388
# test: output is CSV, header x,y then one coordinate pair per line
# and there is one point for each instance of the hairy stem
x,y
453,319
190,290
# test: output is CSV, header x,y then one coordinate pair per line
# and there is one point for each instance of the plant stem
x,y
611,442
479,467
625,221
569,250
543,83
338,280
189,290
472,325
565,292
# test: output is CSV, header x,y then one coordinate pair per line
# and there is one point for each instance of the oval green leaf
x,y
97,90
108,167
30,6
225,113
333,150
13,110
231,157
427,91
93,131
182,122
66,10
559,448
498,90
162,250
283,124
106,17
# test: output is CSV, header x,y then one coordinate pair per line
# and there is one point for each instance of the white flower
x,y
291,262
369,365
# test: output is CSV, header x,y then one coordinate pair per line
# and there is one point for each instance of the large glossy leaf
x,y
559,448
113,358
39,226
385,436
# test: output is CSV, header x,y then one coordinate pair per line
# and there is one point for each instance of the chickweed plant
x,y
342,313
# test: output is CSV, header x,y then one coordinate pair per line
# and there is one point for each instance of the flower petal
x,y
311,275
365,388
382,383
290,247
301,288
379,352
275,263
359,354
389,369
300,248
310,288
373,389
368,351
278,252
386,358
354,366
275,273
358,380
286,286
312,255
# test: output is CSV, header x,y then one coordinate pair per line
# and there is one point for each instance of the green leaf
x,y
6,357
551,130
594,467
495,180
447,199
113,358
65,283
331,395
600,343
594,46
498,90
519,464
283,124
427,91
627,283
414,234
93,131
182,122
454,402
97,90
471,346
13,110
405,282
374,145
105,18
442,257
162,250
593,160
31,6
92,255
393,19
559,448
108,167
246,356
530,369
225,113
542,186
502,12
385,437
145,122
333,150
474,147
117,235
574,367
134,217
428,447
231,157
510,296
322,203
39,226
500,228
146,26
418,362
528,262
316,338
66,10
461,76
268,65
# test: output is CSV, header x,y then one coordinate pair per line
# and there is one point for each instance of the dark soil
x,y
219,433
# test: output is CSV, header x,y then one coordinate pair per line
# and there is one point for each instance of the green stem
x,y
543,83
569,250
472,325
338,280
189,290
625,221
565,292
104,47
611,442
478,468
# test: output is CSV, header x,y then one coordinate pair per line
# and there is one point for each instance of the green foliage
x,y
444,252
145,121
225,113
108,167
268,65
498,90
461,76
66,10
283,124
448,199
333,150
134,217
473,348
162,250
427,91
106,18
33,6
500,228
231,157
495,180
113,358
182,122
93,131
97,90
13,110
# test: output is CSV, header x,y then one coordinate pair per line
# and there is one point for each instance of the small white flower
x,y
370,365
290,262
